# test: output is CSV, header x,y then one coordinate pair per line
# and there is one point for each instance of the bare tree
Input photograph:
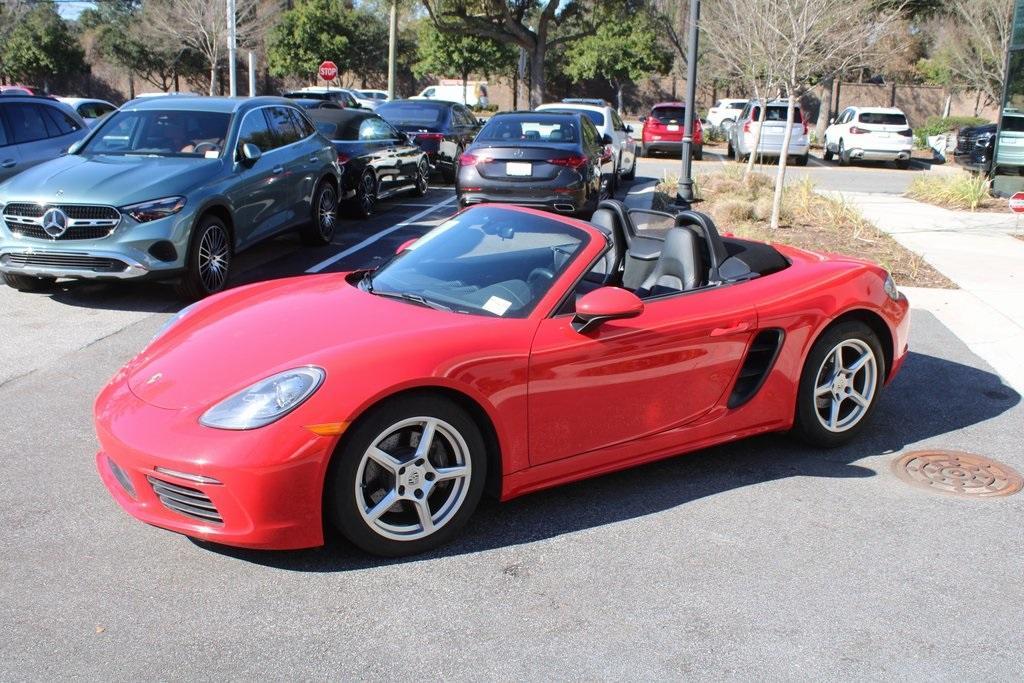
x,y
976,42
201,25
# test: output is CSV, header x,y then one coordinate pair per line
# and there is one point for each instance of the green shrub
x,y
955,190
937,125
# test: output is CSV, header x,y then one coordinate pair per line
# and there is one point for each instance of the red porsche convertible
x,y
507,350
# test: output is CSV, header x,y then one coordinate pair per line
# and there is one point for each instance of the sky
x,y
71,10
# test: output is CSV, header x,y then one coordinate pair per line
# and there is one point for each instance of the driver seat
x,y
680,266
610,266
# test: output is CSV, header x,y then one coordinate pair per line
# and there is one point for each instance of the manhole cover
x,y
959,473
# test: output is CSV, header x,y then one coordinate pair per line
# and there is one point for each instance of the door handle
x,y
8,163
278,170
314,158
732,329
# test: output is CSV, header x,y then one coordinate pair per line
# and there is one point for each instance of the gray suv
x,y
34,130
170,187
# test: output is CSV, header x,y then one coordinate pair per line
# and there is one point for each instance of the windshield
x,y
529,127
412,114
595,116
485,261
162,133
882,119
669,114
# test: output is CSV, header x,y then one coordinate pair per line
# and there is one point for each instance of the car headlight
x,y
890,288
265,401
144,212
171,322
983,140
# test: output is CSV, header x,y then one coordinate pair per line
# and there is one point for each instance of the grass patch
x,y
958,190
808,220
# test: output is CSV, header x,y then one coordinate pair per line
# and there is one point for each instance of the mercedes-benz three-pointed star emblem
x,y
55,223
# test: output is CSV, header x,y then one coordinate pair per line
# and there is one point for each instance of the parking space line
x,y
383,233
816,162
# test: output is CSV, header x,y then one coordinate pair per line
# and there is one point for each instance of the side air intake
x,y
756,366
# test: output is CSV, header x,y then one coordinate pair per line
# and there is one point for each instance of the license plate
x,y
518,168
1011,142
673,128
882,135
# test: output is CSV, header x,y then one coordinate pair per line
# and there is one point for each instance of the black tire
x,y
449,175
844,156
631,173
802,159
808,427
422,179
904,164
29,283
641,151
698,153
364,204
730,153
826,153
323,220
342,506
208,263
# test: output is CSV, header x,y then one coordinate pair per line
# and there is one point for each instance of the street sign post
x,y
328,70
1017,202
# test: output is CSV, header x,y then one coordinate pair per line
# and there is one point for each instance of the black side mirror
x,y
249,154
606,139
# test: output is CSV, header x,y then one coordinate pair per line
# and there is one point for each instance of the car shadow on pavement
x,y
910,410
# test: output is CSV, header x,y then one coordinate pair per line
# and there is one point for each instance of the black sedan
x,y
554,161
376,160
442,129
306,103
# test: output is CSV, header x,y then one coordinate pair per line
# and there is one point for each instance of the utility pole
x,y
252,74
684,192
393,50
232,51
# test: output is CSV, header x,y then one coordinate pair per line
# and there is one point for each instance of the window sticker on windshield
x,y
497,305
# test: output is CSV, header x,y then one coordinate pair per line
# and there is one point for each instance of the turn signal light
x,y
468,159
575,162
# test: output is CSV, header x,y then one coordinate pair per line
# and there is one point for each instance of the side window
x,y
746,112
281,123
373,128
29,122
429,92
60,119
302,124
589,132
94,110
256,131
3,129
847,116
617,122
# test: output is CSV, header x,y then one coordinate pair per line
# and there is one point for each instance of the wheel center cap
x,y
839,384
413,476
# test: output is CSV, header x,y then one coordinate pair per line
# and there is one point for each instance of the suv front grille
x,y
84,222
59,260
185,501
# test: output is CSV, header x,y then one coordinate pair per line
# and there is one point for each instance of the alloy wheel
x,y
845,385
413,479
367,193
327,212
422,177
214,258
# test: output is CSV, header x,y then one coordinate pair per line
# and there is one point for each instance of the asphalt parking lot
x,y
761,559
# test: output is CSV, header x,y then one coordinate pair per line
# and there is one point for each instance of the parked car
x,y
501,352
592,101
90,110
315,104
339,96
364,102
870,134
376,160
663,131
33,130
1010,143
451,92
442,129
378,96
725,109
975,148
742,135
17,89
551,160
608,122
170,187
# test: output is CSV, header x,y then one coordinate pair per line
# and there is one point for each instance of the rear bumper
x,y
675,146
559,203
798,147
867,154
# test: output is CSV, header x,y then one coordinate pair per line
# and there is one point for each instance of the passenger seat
x,y
680,266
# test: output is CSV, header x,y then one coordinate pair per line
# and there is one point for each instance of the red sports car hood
x,y
232,340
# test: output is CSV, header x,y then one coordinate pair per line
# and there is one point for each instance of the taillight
x,y
806,129
651,121
746,126
575,162
430,136
343,158
906,132
855,130
606,153
467,159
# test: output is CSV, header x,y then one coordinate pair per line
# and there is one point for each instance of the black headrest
x,y
604,220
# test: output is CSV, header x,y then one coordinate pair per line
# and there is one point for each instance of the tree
x,y
40,47
623,47
201,25
309,33
534,25
975,43
443,54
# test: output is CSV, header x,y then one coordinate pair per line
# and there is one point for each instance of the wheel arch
x,y
223,212
876,323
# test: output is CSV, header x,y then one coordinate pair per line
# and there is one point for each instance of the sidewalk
x,y
978,253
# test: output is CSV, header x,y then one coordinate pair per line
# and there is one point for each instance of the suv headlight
x,y
890,288
144,212
265,401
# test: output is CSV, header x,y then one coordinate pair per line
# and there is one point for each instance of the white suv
x,y
871,134
725,110
608,122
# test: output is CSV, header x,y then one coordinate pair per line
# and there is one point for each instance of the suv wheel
x,y
208,264
324,219
29,283
421,179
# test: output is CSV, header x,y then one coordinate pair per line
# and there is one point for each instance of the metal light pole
x,y
393,50
252,74
232,51
684,191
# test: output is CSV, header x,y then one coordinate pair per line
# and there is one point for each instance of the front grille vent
x,y
84,222
63,261
185,501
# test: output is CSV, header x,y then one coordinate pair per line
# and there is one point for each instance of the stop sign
x,y
1017,202
328,71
